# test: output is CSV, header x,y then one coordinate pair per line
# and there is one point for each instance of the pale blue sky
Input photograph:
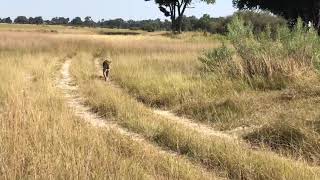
x,y
103,9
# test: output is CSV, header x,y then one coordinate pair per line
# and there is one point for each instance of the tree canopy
x,y
6,20
308,10
89,22
36,20
206,23
175,9
21,20
76,21
59,20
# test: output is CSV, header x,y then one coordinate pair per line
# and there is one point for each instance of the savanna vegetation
x,y
308,11
258,76
206,23
267,80
42,138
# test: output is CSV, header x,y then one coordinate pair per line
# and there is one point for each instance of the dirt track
x,y
65,83
84,112
202,128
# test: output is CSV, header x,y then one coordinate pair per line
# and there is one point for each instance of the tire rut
x,y
204,129
76,102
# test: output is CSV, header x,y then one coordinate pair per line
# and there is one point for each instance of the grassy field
x,y
59,29
284,106
41,136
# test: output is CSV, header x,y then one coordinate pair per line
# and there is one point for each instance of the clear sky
x,y
103,9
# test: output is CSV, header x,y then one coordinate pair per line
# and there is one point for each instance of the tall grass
x,y
40,136
228,93
272,60
170,78
216,153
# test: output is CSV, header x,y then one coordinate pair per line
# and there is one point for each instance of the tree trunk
x,y
173,25
179,24
173,19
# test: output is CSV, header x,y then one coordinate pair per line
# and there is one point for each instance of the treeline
x,y
147,25
259,20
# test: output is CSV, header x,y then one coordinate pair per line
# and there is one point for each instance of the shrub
x,y
261,21
267,61
237,30
216,59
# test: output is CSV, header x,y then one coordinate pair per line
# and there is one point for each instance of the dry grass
x,y
41,137
165,73
214,152
60,29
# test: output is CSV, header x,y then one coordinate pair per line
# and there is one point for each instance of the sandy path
x,y
193,125
84,112
236,133
202,128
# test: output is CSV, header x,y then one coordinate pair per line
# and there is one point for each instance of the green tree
x,y
21,20
308,10
261,21
205,22
76,21
7,20
175,9
89,22
36,20
59,21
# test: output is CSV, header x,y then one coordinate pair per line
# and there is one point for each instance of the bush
x,y
267,61
216,59
237,30
149,27
261,21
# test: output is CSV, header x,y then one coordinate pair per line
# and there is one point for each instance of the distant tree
x,y
189,23
59,21
132,24
205,22
36,20
30,20
89,22
175,9
53,21
220,25
21,20
308,10
115,23
76,21
118,23
7,20
150,27
260,20
166,25
46,22
147,25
